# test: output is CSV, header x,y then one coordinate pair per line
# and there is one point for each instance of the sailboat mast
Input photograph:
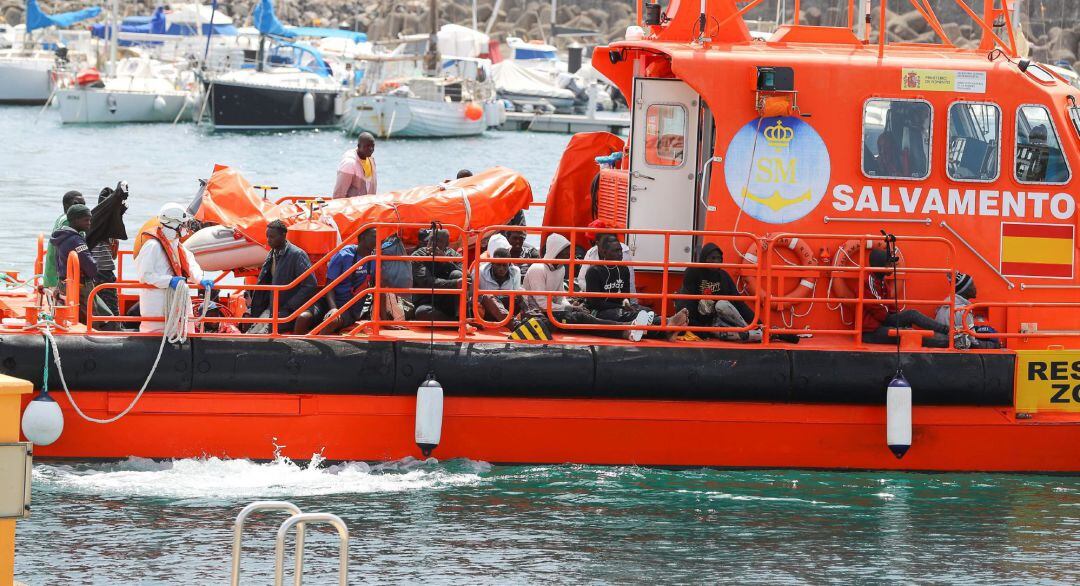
x,y
113,25
431,60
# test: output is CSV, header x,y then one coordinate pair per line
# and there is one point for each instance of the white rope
x,y
177,317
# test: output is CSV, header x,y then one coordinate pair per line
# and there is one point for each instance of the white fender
x,y
309,108
42,421
898,416
429,415
339,105
159,103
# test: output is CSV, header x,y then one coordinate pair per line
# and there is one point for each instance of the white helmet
x,y
173,215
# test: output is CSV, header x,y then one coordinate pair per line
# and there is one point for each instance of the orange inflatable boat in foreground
x,y
899,220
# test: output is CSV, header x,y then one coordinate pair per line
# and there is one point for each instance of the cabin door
x,y
663,167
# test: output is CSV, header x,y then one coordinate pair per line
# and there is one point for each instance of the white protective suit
x,y
152,267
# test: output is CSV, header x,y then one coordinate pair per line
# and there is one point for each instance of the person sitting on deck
x,y
552,277
49,277
594,254
880,312
500,277
361,278
964,291
437,274
282,266
520,249
615,279
714,281
71,238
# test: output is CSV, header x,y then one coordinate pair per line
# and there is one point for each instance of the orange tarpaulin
x,y
568,200
489,198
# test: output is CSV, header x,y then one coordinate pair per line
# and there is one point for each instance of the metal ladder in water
x,y
300,520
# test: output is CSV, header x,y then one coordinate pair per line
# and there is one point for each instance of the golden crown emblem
x,y
779,136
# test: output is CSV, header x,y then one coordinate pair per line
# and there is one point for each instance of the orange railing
x,y
860,272
762,274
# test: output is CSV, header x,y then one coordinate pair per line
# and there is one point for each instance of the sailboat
x,y
31,72
291,87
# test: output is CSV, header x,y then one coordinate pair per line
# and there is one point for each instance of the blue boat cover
x,y
322,33
36,19
267,23
317,64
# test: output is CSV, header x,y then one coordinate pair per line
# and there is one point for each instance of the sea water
x,y
141,521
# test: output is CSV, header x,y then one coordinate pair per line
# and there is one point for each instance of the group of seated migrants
x,y
514,283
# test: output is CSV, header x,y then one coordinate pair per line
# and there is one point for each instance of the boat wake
x,y
225,479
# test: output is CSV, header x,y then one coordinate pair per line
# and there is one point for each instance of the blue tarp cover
x,y
36,19
267,23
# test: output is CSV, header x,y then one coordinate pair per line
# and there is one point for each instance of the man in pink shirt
x,y
356,171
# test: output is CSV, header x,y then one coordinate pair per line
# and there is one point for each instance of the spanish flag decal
x,y
1037,250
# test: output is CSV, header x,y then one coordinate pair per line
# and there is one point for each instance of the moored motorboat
x,y
143,90
32,70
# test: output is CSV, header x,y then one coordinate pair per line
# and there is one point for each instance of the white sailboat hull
x,y
389,116
104,106
25,81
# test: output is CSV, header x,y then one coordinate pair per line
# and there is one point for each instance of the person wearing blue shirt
x,y
361,278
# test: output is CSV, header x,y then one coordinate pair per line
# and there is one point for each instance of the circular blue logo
x,y
778,169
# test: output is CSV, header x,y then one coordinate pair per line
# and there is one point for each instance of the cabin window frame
x,y
862,139
685,134
1061,145
1000,135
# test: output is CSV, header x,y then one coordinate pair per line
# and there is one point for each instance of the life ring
x,y
838,284
804,254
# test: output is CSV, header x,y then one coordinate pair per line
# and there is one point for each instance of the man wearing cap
x,y
163,262
70,238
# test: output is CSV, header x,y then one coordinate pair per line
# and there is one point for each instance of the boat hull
x,y
90,106
544,403
25,81
238,106
552,431
387,116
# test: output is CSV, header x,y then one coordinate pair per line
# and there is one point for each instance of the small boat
x,y
530,89
143,90
291,87
30,72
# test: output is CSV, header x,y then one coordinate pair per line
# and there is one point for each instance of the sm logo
x,y
777,169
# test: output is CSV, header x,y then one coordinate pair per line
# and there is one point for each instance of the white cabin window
x,y
665,135
1039,158
896,139
974,141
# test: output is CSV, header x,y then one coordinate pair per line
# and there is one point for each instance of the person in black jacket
x,y
436,275
282,266
71,238
710,281
615,280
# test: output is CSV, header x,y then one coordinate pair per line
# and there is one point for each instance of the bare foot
x,y
679,319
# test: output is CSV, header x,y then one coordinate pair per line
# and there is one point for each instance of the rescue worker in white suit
x,y
163,263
